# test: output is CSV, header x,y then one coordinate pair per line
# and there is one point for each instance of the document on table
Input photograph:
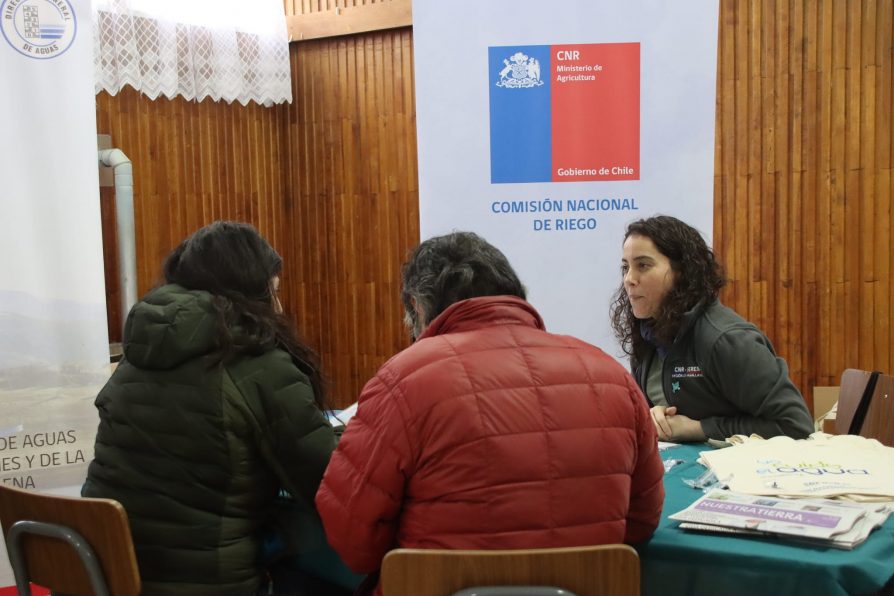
x,y
832,523
342,416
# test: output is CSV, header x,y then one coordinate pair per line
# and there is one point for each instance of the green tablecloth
x,y
675,561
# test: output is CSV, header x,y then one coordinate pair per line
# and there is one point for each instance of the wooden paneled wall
x,y
353,194
330,180
193,163
803,182
295,7
803,178
318,19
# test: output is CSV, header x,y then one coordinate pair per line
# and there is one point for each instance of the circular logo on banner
x,y
40,29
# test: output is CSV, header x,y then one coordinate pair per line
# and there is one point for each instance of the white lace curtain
x,y
222,49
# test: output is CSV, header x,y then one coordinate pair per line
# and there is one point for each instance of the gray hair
x,y
446,269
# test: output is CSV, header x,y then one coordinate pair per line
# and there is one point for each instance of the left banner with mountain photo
x,y
53,335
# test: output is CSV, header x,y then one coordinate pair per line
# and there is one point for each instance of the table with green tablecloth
x,y
680,562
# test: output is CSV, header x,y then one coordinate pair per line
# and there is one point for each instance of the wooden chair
x,y
866,405
585,571
71,545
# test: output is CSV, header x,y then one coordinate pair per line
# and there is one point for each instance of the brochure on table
x,y
834,523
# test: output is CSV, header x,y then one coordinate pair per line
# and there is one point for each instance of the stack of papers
x,y
823,522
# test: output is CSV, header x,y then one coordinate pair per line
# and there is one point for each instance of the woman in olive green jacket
x,y
215,409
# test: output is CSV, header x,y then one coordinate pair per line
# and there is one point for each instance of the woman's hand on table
x,y
676,427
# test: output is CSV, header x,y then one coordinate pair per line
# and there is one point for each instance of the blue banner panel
x,y
520,122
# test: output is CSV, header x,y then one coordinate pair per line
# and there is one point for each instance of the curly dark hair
x,y
698,277
235,264
446,269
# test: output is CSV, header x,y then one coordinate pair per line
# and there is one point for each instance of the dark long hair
x,y
697,277
232,262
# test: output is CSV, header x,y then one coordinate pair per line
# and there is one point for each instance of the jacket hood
x,y
170,326
687,321
483,311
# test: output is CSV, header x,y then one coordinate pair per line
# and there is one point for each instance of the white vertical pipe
x,y
127,251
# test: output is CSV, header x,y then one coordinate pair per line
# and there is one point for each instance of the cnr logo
x,y
568,55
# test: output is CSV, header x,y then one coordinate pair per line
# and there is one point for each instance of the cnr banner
x,y
547,128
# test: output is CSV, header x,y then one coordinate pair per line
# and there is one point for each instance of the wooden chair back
x,y
50,542
587,570
878,415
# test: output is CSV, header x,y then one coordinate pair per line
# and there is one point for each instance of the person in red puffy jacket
x,y
488,432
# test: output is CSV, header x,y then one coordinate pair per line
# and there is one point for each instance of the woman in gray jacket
x,y
706,371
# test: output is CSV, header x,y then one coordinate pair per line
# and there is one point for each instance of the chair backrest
x,y
877,413
51,540
586,570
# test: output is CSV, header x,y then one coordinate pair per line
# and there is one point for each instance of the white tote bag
x,y
821,466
